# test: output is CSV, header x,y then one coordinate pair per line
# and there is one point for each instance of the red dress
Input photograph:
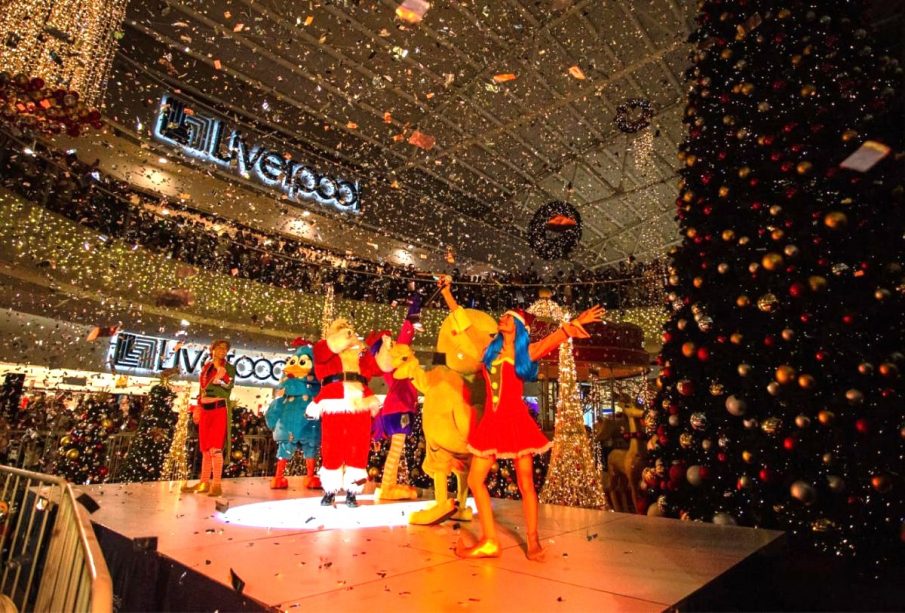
x,y
506,429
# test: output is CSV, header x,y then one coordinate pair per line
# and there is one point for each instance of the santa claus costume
x,y
345,406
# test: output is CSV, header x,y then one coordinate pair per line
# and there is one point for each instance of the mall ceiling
x,y
346,83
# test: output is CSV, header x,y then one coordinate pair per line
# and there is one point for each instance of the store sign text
x,y
150,355
206,138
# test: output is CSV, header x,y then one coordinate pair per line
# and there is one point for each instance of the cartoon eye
x,y
292,361
304,361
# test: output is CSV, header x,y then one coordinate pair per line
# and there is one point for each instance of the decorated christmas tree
x,y
244,422
781,402
151,444
82,456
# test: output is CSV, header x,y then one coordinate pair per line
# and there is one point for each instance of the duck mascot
x,y
292,430
450,395
345,406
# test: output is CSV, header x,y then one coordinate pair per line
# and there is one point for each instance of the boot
x,y
328,499
199,488
216,490
312,481
351,502
279,482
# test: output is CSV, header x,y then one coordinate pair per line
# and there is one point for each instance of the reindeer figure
x,y
624,466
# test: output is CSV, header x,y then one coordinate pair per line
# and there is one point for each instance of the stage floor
x,y
293,553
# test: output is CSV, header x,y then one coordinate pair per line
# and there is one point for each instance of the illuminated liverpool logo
x,y
205,138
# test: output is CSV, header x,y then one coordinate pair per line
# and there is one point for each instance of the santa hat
x,y
298,341
523,316
375,338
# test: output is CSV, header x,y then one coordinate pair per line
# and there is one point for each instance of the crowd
x,y
60,182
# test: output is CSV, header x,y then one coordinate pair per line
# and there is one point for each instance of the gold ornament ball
x,y
882,294
791,251
881,483
827,458
72,454
849,135
825,417
722,268
802,421
747,456
744,240
804,168
106,423
771,261
237,455
372,472
736,338
773,388
817,283
698,282
494,467
767,303
512,488
807,382
728,235
854,396
723,192
65,441
742,301
808,90
688,349
743,172
785,374
771,425
777,234
788,334
744,370
835,220
803,492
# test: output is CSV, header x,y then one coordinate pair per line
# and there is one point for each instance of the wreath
x,y
555,230
634,115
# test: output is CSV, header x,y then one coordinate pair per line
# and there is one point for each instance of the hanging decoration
x,y
634,115
56,60
555,230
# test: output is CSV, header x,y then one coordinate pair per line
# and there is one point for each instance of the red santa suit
x,y
345,406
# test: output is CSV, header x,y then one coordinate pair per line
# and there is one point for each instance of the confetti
x,y
866,157
577,72
422,140
504,77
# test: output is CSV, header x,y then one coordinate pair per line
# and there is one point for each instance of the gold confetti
x,y
309,20
504,77
239,27
577,72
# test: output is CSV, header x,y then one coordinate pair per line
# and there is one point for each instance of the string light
x,y
72,255
69,44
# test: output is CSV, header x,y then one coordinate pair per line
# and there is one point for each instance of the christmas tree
x,y
243,422
151,444
781,395
82,456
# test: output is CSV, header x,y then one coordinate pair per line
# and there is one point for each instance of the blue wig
x,y
525,367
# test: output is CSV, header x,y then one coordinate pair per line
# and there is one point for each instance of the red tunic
x,y
506,429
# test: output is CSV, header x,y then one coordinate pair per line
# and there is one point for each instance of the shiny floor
x,y
293,553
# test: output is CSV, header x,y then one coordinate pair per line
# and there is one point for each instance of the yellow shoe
x,y
198,488
484,549
215,491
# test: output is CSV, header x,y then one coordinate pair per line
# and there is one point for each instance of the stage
x,y
292,553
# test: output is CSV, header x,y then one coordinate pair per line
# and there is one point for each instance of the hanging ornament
x,y
634,115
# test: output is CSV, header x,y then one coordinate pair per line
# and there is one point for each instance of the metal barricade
x,y
49,557
117,450
261,452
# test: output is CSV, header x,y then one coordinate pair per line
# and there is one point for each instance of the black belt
x,y
216,404
346,376
439,359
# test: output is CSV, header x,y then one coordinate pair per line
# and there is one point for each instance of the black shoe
x,y
350,501
327,500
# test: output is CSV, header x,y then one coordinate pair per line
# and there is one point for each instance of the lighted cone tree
x,y
176,464
573,477
781,403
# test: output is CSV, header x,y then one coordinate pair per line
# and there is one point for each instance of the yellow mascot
x,y
450,395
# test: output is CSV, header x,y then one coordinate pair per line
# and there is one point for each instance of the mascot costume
x,y
345,405
450,395
292,430
397,413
